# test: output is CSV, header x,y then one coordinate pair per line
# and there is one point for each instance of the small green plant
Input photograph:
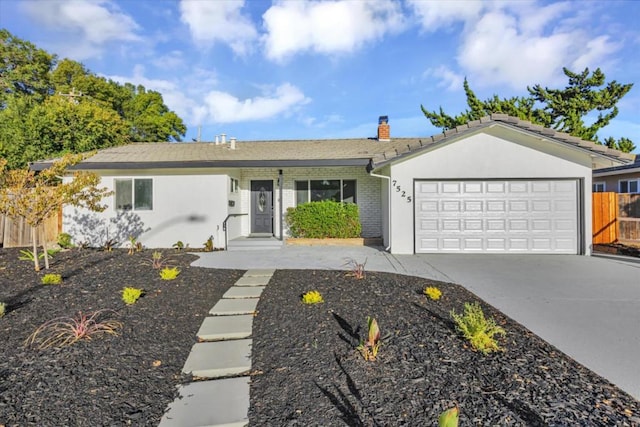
x,y
208,245
27,255
65,331
479,330
369,348
433,292
158,261
3,308
131,295
312,297
134,246
178,245
168,273
357,268
449,418
64,241
51,279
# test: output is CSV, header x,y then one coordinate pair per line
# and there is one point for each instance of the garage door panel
x,y
520,216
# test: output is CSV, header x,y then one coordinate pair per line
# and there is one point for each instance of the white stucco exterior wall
x,y
492,153
186,206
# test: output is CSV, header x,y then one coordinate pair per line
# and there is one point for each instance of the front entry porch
x,y
258,241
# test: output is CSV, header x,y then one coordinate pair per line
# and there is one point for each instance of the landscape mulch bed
x,y
306,371
111,380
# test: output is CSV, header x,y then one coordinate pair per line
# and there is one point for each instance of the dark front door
x,y
262,207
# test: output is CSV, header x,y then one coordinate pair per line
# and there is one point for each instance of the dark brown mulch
x,y
618,249
108,381
308,373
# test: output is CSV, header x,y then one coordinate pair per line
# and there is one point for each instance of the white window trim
x,y
323,179
597,183
133,194
629,181
234,185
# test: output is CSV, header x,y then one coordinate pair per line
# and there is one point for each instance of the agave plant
x,y
369,348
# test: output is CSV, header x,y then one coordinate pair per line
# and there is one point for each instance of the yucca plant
x,y
369,348
357,268
479,330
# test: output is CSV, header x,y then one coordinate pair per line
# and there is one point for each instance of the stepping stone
x,y
219,359
260,272
225,328
228,307
253,281
210,403
244,292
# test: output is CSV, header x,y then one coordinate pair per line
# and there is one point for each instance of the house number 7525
x,y
403,193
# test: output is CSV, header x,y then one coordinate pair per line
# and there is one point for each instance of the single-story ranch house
x,y
618,179
496,185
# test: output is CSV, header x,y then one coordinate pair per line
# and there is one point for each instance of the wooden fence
x,y
17,233
616,217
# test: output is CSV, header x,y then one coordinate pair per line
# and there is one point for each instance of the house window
x,y
134,194
339,190
628,186
234,185
599,187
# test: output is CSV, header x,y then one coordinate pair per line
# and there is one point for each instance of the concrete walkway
x,y
588,307
221,361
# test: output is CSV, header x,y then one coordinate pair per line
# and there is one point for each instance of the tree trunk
x,y
44,247
34,237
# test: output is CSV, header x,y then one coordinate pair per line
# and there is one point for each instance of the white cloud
x,y
436,15
327,27
219,21
93,23
517,43
223,107
448,78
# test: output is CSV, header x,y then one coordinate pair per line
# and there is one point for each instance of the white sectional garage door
x,y
497,216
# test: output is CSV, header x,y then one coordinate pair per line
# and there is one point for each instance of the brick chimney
x,y
383,129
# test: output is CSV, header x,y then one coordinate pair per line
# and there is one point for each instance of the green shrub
x,y
51,279
131,295
326,219
3,308
64,241
169,273
477,329
312,297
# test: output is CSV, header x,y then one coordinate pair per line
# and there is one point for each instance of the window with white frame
x,y
234,185
134,194
339,190
599,187
628,185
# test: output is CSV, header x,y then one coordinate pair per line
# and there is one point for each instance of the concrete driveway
x,y
588,307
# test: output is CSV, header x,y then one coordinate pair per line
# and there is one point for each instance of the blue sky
x,y
299,69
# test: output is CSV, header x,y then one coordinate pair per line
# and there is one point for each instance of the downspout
x,y
388,178
280,201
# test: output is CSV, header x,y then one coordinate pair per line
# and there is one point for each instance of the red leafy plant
x,y
369,348
65,331
357,268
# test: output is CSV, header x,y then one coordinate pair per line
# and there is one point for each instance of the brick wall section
x,y
384,132
368,193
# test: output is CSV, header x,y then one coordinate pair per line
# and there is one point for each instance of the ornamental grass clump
x,y
479,330
169,273
356,268
369,348
131,295
312,297
65,331
51,279
433,293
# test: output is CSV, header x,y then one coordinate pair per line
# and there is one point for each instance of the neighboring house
x,y
618,179
496,185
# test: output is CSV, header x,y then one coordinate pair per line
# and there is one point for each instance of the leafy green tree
x,y
50,107
560,109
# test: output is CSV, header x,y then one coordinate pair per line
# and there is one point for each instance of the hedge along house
x,y
497,185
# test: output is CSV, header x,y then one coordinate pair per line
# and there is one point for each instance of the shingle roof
x,y
328,152
616,170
